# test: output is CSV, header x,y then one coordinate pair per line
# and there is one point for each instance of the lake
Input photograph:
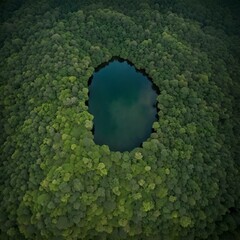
x,y
123,103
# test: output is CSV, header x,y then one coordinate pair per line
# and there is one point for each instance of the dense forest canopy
x,y
56,183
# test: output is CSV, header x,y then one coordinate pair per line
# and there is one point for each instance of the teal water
x,y
123,103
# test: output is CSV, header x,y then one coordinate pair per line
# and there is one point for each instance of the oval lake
x,y
123,103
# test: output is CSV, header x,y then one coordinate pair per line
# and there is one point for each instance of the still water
x,y
123,103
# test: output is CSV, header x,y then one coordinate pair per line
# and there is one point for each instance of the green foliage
x,y
56,183
185,221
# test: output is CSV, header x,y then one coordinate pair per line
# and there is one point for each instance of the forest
x,y
56,183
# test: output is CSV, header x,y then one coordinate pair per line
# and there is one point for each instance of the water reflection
x,y
122,102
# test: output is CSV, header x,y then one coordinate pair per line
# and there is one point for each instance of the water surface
x,y
123,103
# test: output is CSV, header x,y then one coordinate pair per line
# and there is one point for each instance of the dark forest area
x,y
57,183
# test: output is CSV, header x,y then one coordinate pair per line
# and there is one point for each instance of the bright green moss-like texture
x,y
56,183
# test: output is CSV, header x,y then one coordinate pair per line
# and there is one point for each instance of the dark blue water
x,y
123,103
